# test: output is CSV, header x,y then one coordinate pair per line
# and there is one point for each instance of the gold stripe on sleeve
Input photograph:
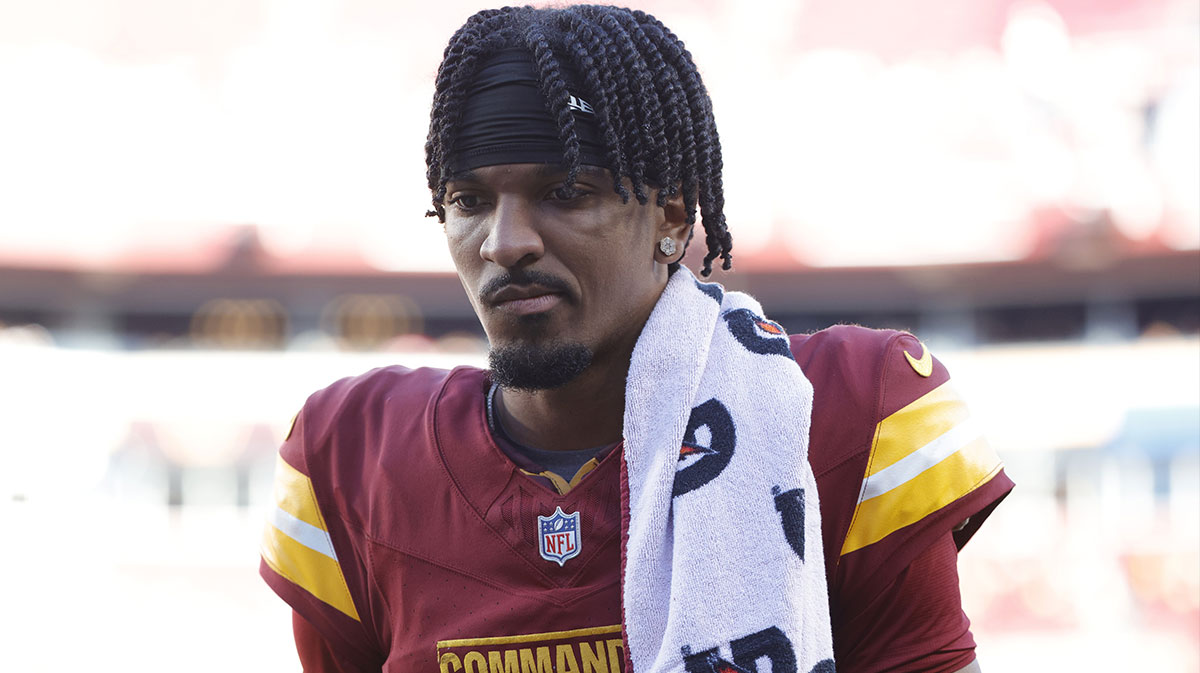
x,y
310,570
916,425
294,494
954,477
296,542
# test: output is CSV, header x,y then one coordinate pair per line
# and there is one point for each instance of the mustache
x,y
521,278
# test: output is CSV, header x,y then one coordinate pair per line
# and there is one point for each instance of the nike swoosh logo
x,y
923,365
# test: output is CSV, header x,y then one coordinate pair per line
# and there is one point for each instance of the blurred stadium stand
x,y
1074,289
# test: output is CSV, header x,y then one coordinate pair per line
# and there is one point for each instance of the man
x,y
634,482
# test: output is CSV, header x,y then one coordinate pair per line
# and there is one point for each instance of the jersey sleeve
x,y
307,558
317,655
900,466
928,469
916,623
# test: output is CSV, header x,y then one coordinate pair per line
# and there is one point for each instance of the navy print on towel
x,y
701,461
790,505
770,643
757,334
709,661
712,289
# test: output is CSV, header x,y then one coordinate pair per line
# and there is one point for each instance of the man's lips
x,y
530,305
525,300
524,292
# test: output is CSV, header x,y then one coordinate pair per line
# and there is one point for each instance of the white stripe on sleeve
x,y
908,467
305,533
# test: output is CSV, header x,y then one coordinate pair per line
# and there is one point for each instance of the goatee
x,y
542,367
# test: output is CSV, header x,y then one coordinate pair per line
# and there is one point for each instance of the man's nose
x,y
513,239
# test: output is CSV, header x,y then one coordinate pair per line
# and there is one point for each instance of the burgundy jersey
x,y
405,539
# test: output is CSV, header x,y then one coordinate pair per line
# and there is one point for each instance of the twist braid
x,y
630,95
597,69
554,91
711,192
680,107
665,151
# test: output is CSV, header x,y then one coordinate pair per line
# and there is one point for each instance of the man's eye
x,y
465,201
565,193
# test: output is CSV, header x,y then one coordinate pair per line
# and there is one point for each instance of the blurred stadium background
x,y
210,209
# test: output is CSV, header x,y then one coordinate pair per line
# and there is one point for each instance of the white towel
x,y
723,566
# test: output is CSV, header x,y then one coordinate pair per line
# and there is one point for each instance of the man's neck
x,y
587,412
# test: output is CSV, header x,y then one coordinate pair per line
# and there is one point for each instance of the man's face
x,y
559,280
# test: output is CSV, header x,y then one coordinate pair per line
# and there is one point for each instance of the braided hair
x,y
654,114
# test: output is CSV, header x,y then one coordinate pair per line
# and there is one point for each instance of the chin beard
x,y
538,367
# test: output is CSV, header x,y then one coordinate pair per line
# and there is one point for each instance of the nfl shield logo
x,y
558,536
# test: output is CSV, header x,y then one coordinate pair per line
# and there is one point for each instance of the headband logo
x,y
579,105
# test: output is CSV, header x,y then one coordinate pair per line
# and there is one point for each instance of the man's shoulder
x,y
898,460
842,345
365,438
861,377
381,392
864,373
416,384
358,420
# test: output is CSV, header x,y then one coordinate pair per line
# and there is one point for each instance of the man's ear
x,y
674,225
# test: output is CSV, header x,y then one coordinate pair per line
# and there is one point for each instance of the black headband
x,y
504,119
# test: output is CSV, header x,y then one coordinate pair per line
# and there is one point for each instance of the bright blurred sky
x,y
153,125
